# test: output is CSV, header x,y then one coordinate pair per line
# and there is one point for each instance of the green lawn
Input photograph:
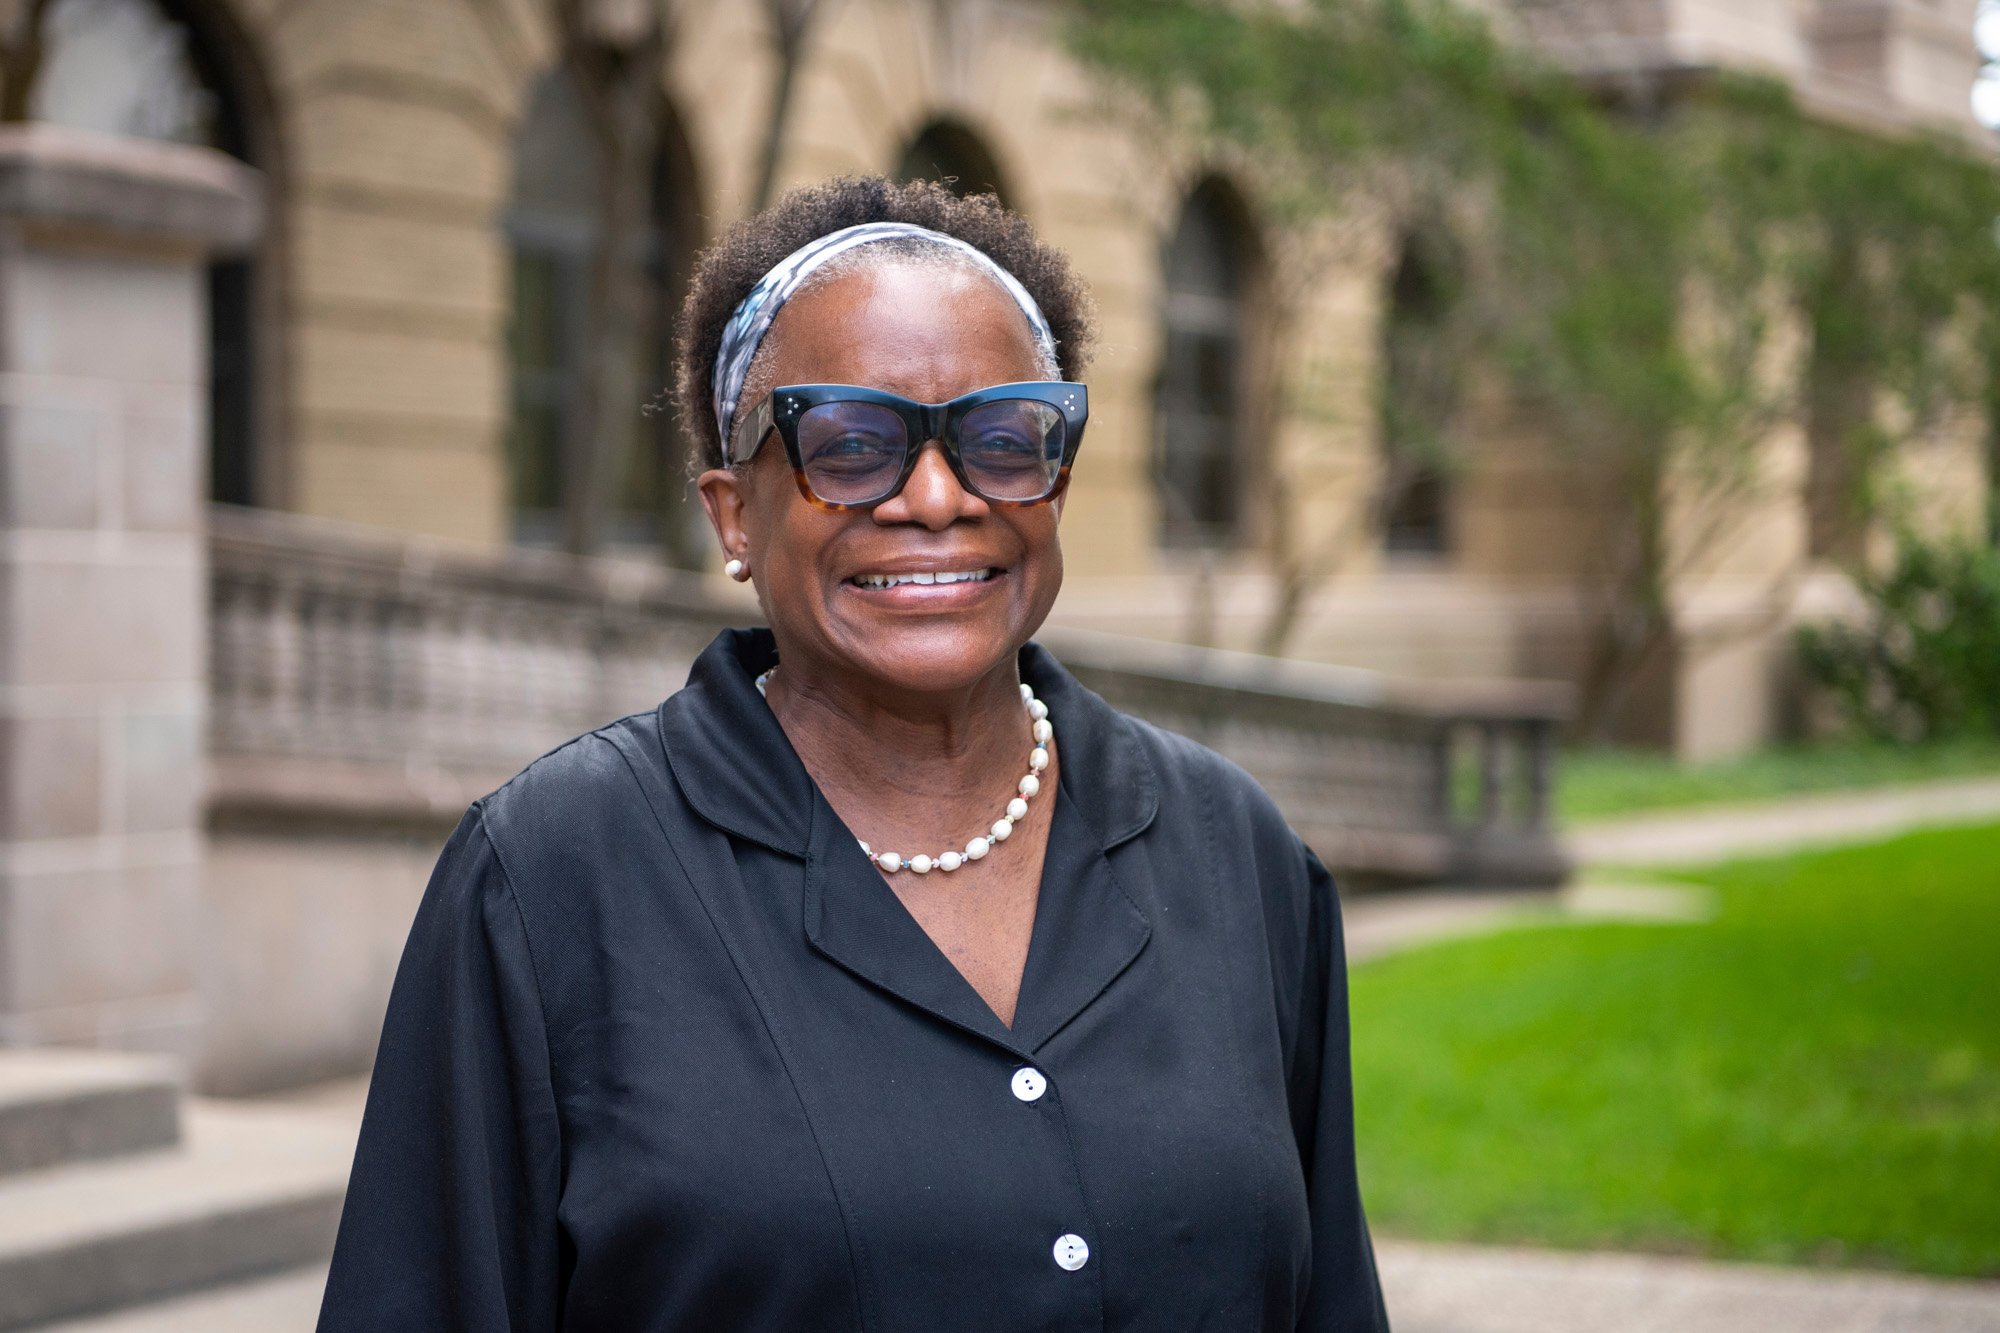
x,y
1594,784
1812,1077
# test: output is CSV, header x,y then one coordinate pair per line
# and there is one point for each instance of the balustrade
x,y
358,673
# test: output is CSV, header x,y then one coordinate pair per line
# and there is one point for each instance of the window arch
x,y
1419,395
1202,467
182,71
554,230
948,152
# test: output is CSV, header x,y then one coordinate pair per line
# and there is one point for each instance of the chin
x,y
934,654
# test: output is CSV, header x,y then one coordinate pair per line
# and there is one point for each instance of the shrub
x,y
1924,662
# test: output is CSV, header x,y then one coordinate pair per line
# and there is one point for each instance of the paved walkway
x,y
1384,923
287,1303
1613,855
1468,1289
1686,837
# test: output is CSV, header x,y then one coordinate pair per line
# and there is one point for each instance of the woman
x,y
883,978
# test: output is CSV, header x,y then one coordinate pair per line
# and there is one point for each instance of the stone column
x,y
103,587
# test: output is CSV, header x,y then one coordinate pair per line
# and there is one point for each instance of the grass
x,y
1811,1077
1595,784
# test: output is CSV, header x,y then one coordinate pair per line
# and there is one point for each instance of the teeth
x,y
949,576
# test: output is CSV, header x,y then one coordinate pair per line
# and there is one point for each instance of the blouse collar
x,y
738,769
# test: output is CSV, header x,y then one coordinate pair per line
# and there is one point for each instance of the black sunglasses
x,y
852,447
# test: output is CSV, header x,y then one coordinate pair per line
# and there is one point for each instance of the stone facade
x,y
389,131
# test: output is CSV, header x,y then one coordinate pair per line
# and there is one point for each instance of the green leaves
x,y
1597,215
1925,662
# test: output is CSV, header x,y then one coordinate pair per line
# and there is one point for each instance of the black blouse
x,y
665,1053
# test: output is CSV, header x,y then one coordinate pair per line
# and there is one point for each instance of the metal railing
x,y
360,675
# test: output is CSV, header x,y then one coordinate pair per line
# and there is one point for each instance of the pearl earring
x,y
737,570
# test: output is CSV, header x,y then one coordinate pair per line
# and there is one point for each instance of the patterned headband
x,y
744,333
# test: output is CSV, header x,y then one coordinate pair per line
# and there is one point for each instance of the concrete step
x,y
252,1190
287,1303
59,1107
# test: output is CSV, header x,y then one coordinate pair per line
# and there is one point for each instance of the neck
x,y
930,753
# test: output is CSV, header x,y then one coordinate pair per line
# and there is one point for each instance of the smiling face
x,y
882,597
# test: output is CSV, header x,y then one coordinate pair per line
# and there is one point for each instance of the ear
x,y
723,499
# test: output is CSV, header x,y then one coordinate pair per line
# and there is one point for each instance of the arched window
x,y
179,71
1202,463
555,231
947,152
552,228
1419,394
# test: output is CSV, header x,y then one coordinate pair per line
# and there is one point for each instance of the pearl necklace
x,y
1043,732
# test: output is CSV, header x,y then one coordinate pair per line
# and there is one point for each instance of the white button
x,y
1029,1085
1072,1253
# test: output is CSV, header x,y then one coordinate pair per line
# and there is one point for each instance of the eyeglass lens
x,y
853,453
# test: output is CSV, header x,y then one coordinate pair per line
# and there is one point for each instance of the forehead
x,y
925,330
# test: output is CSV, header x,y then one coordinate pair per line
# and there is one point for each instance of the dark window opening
x,y
554,230
956,158
1841,434
1419,397
232,385
1839,437
1199,460
684,534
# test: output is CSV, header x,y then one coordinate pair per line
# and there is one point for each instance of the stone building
x,y
401,350
405,348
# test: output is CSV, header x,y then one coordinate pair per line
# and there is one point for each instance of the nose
x,y
932,497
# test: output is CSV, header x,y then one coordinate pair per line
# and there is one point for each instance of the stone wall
x,y
302,928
